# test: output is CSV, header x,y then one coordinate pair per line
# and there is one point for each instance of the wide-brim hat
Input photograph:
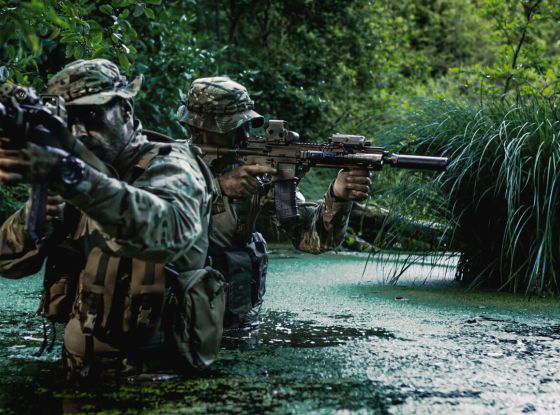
x,y
218,105
92,82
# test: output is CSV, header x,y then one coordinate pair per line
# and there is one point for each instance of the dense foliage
x,y
355,66
500,193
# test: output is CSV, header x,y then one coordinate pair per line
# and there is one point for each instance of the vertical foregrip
x,y
285,201
35,226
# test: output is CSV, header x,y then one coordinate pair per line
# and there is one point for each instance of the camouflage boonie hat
x,y
219,105
92,82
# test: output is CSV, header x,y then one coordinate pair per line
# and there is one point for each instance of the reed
x,y
500,195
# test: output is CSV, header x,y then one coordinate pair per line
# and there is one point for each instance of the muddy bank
x,y
334,337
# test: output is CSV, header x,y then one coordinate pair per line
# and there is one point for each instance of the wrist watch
x,y
70,170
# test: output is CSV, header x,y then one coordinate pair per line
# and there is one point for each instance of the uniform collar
x,y
132,152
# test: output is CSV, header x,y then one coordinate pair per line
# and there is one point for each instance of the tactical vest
x,y
126,302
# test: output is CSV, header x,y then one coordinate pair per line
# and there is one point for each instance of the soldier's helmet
x,y
92,82
219,105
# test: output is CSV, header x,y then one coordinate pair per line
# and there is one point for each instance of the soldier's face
x,y
104,129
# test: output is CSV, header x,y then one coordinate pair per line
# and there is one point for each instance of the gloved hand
x,y
352,184
241,182
32,164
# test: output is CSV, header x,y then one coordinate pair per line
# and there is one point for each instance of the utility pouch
x,y
245,269
197,306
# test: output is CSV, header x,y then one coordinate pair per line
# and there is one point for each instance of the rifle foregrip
x,y
285,201
36,219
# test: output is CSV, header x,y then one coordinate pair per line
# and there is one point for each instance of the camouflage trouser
x,y
77,367
114,364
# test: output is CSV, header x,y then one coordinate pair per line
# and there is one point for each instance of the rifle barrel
x,y
404,161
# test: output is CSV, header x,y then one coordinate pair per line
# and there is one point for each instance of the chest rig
x,y
118,300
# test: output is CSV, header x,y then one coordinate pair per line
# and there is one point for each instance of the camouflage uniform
x,y
157,213
221,105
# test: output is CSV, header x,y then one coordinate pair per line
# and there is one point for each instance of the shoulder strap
x,y
157,137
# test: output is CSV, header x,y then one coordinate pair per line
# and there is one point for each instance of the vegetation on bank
x,y
475,80
500,194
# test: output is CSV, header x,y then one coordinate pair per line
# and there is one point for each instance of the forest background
x,y
474,80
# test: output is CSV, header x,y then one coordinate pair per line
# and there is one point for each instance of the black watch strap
x,y
69,171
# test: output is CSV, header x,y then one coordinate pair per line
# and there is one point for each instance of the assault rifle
x,y
281,149
28,117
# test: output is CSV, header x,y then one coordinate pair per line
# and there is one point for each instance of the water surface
x,y
335,338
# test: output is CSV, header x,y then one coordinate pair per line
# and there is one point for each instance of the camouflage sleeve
x,y
19,257
322,225
157,219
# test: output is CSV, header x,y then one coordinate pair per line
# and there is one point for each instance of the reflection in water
x,y
331,339
281,328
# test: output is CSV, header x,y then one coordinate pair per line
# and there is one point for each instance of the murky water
x,y
334,339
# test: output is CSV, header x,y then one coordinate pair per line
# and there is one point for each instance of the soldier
x,y
219,111
123,243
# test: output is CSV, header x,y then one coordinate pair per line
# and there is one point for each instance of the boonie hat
x,y
92,82
219,105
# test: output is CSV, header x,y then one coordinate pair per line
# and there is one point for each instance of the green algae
x,y
332,339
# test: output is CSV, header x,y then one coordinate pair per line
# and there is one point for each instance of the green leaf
x,y
116,38
54,34
107,9
156,2
123,3
138,10
97,37
78,52
149,13
4,74
123,61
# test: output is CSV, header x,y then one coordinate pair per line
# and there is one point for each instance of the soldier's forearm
x,y
322,225
152,223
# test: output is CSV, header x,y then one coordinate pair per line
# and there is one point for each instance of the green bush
x,y
501,189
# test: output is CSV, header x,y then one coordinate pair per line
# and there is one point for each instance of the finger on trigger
x,y
256,169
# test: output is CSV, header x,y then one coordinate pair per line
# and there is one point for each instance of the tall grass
x,y
501,191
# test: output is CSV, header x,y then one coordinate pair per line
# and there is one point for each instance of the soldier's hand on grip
x,y
32,164
352,184
242,182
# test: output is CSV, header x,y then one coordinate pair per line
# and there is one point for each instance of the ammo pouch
x,y
120,300
196,310
245,269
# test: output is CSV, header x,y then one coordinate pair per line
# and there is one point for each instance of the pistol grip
x,y
285,201
35,226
